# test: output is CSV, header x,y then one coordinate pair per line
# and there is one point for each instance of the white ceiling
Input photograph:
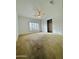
x,y
25,7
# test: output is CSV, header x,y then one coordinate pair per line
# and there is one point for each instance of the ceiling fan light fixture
x,y
38,12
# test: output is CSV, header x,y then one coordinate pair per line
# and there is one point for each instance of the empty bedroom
x,y
39,29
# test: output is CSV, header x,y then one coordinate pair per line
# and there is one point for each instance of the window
x,y
34,27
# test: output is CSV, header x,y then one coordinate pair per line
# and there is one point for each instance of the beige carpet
x,y
39,46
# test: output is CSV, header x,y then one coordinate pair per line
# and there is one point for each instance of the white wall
x,y
24,24
17,26
44,25
57,26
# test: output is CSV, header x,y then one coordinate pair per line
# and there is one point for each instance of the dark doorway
x,y
49,25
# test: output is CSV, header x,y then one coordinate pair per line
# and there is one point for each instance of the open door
x,y
49,25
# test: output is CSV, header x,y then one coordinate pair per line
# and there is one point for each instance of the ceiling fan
x,y
39,12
